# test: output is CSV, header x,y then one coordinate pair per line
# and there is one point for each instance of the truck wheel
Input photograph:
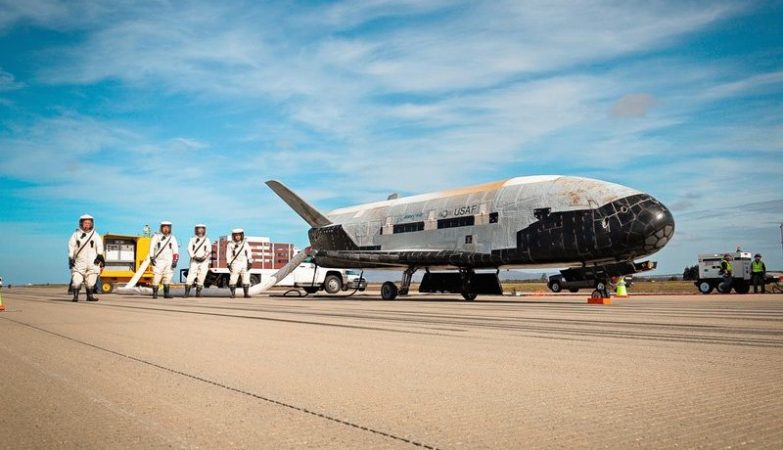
x,y
332,284
389,291
107,287
705,287
741,287
555,286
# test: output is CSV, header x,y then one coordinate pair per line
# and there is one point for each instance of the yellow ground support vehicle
x,y
124,253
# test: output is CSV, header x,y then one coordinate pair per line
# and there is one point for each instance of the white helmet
x,y
164,223
85,217
238,231
199,225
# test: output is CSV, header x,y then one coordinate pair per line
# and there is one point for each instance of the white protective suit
x,y
84,247
162,251
240,253
200,250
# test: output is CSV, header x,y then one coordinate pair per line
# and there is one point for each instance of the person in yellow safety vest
x,y
727,271
758,272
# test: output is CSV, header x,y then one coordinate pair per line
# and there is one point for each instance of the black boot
x,y
233,290
198,291
166,293
90,296
187,290
75,293
154,292
246,288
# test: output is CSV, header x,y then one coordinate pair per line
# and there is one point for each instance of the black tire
x,y
574,290
255,278
555,286
741,287
469,296
596,294
310,289
389,291
332,284
705,287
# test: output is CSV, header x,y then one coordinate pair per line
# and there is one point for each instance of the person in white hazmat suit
x,y
239,259
200,251
164,254
85,257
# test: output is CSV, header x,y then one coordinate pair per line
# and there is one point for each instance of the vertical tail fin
x,y
307,212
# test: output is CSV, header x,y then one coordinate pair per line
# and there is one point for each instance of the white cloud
x,y
8,82
373,97
753,83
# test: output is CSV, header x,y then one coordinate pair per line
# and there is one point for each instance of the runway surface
x,y
428,371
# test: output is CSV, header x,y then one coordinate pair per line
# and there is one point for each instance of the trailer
x,y
124,254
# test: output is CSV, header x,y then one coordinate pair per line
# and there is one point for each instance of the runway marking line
x,y
230,388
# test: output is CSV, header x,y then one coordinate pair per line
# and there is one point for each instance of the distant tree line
x,y
691,273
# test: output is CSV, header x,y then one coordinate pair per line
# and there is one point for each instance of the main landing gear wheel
x,y
332,284
470,296
388,291
705,287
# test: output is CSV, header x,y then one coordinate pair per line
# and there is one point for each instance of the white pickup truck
x,y
305,277
312,279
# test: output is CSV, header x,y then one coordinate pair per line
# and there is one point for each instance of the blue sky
x,y
140,111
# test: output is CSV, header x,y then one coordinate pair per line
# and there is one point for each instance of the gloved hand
x,y
71,263
99,261
249,264
174,264
152,261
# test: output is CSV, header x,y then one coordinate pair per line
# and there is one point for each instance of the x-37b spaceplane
x,y
594,227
